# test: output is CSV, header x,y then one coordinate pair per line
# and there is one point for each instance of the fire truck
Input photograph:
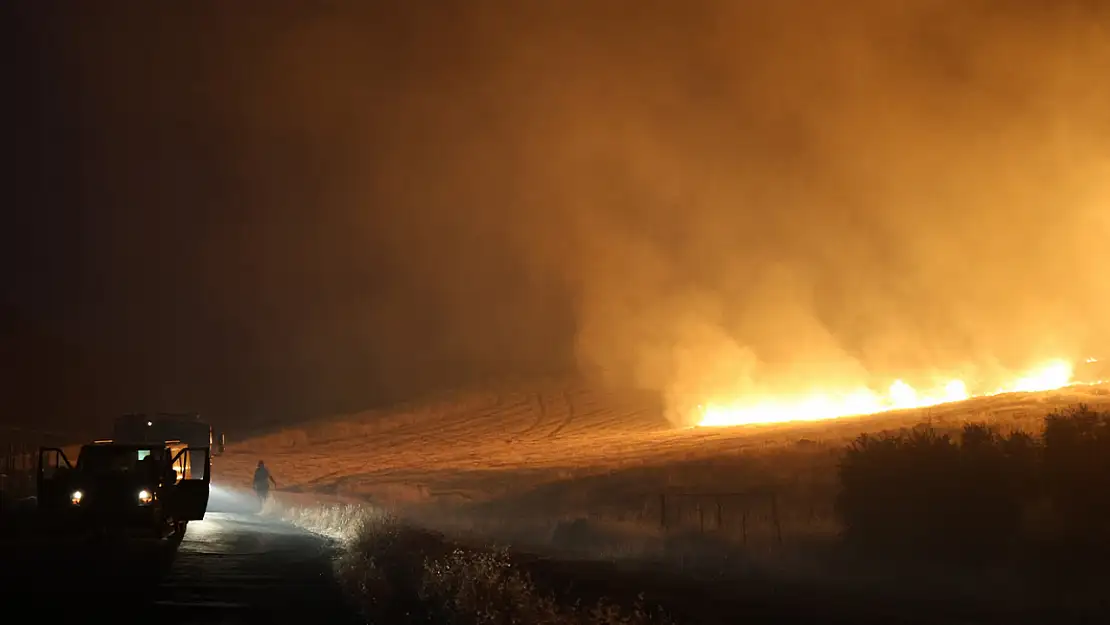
x,y
154,473
116,486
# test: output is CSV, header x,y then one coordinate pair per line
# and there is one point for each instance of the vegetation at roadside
x,y
402,574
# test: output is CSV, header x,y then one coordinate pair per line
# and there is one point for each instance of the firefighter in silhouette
x,y
262,482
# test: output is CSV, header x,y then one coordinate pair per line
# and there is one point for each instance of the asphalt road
x,y
235,566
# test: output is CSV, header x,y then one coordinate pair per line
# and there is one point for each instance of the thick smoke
x,y
729,196
750,199
760,200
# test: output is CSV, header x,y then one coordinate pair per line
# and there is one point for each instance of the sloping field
x,y
517,444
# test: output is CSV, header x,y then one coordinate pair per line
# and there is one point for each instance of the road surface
x,y
235,566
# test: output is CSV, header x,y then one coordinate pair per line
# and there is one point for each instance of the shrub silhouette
x,y
996,481
921,492
1076,472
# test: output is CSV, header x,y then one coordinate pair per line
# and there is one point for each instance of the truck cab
x,y
124,486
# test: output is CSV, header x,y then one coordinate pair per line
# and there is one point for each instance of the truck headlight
x,y
75,497
145,497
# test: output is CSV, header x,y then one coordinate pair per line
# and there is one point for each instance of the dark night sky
x,y
200,239
269,210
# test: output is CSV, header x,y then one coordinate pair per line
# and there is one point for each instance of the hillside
x,y
501,444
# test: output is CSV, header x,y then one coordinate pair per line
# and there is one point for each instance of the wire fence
x,y
735,512
764,516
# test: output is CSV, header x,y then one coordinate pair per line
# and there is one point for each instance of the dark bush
x,y
924,493
1076,472
995,482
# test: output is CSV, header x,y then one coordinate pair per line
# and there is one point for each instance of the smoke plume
x,y
701,198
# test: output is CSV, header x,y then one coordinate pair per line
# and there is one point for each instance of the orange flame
x,y
815,406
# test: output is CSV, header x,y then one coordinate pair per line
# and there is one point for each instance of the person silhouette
x,y
262,481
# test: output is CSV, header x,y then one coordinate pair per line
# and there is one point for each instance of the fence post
x,y
701,518
719,524
744,527
663,511
775,517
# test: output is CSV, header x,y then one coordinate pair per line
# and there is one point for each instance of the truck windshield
x,y
114,460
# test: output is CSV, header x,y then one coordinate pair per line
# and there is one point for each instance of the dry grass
x,y
341,522
401,574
